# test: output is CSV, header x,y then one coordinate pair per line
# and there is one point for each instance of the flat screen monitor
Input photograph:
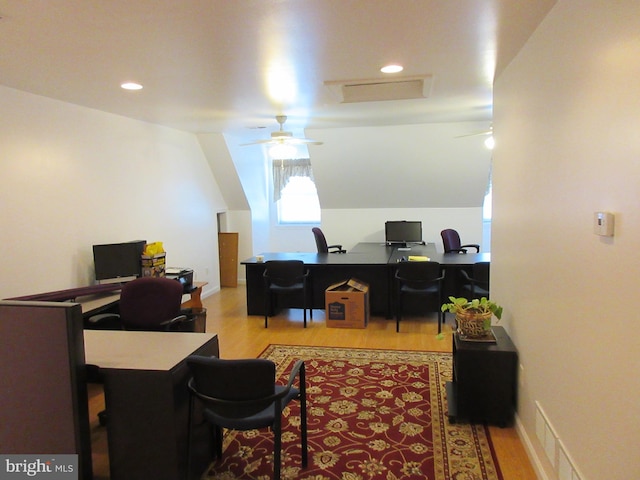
x,y
403,232
118,260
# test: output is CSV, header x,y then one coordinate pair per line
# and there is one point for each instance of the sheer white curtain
x,y
283,170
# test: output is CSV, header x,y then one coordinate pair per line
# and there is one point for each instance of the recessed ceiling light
x,y
131,86
392,69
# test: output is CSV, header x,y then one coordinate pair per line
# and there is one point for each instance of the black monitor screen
x,y
403,232
116,260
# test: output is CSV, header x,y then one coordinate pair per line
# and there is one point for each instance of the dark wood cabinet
x,y
484,386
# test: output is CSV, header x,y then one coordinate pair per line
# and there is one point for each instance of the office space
x,y
567,112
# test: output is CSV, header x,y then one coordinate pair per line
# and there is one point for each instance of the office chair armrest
x,y
471,245
102,317
104,321
296,371
177,322
337,249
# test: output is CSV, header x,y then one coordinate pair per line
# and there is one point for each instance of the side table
x,y
484,385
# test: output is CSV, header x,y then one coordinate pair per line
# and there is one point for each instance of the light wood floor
x,y
243,336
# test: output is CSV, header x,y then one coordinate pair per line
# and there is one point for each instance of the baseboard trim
x,y
531,451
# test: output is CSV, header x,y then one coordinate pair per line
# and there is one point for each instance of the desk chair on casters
x,y
451,242
285,277
321,243
420,279
243,395
151,304
477,284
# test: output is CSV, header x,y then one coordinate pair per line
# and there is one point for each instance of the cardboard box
x,y
153,265
347,304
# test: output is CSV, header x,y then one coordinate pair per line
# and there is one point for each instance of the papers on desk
x,y
418,258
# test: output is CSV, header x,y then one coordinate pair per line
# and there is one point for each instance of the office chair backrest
x,y
450,240
284,273
414,274
228,382
148,301
321,241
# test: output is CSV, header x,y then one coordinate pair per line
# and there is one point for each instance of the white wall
x,y
566,118
73,177
350,226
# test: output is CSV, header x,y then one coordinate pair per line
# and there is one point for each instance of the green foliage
x,y
483,305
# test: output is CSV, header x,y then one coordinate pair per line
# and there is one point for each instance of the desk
x,y
145,383
372,263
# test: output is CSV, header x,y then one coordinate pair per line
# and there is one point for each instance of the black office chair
x,y
321,243
419,279
243,395
451,242
477,284
286,277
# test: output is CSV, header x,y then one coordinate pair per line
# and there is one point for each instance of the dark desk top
x,y
374,253
372,258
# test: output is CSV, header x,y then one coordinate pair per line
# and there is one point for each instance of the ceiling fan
x,y
489,142
281,137
489,131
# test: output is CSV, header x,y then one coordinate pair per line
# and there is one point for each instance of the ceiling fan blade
x,y
302,141
487,132
257,142
289,141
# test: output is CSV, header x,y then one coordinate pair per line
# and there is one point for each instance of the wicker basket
x,y
474,325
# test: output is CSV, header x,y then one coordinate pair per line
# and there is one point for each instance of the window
x,y
298,202
294,192
486,206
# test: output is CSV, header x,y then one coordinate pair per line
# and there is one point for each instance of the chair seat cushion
x,y
419,290
263,419
286,288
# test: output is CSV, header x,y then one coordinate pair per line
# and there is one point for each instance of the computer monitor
x,y
118,260
403,232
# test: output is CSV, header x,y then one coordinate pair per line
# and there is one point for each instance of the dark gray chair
x,y
243,395
422,279
477,284
286,277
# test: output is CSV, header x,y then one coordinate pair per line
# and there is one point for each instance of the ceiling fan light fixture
x,y
282,151
393,68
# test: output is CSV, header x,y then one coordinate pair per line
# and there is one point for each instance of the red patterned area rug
x,y
372,414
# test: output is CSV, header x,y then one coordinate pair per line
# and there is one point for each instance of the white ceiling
x,y
229,66
206,65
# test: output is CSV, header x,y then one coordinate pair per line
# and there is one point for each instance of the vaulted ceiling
x,y
229,66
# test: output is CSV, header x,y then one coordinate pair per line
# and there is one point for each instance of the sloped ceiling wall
x,y
406,166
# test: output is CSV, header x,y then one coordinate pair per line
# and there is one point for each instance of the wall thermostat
x,y
603,224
